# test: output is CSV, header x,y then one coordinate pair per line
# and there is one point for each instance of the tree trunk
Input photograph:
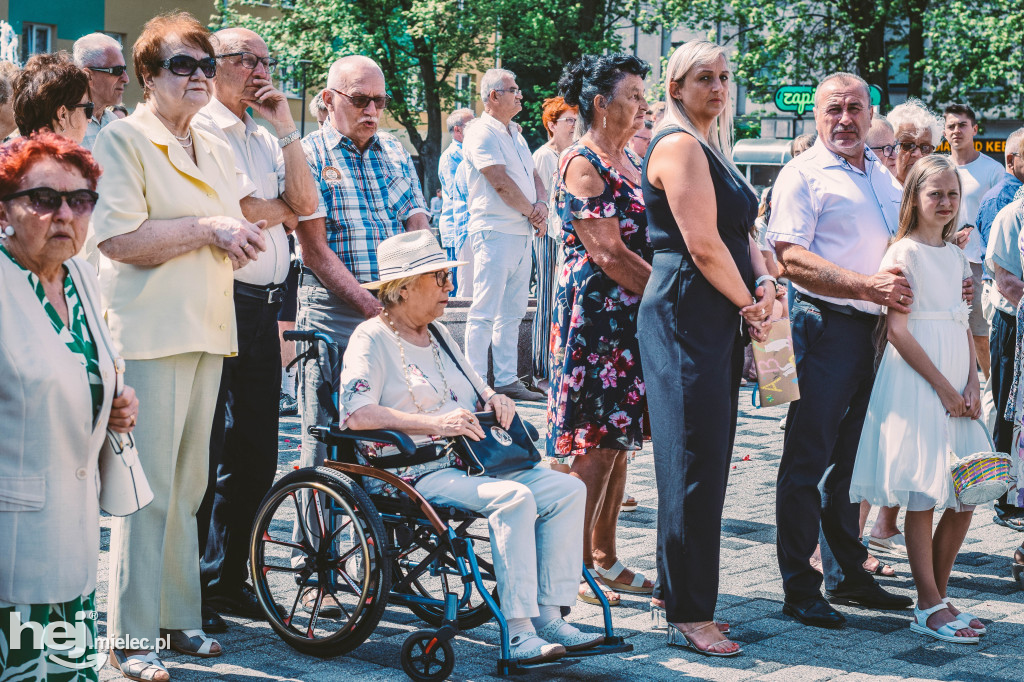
x,y
915,10
868,20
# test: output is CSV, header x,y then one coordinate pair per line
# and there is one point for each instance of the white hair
x,y
316,105
1014,142
684,59
493,80
90,48
458,118
915,115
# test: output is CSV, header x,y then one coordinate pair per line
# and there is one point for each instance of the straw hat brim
x,y
421,270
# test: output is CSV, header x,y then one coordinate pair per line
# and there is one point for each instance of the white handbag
x,y
124,489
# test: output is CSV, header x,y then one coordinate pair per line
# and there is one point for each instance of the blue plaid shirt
x,y
997,197
451,159
365,197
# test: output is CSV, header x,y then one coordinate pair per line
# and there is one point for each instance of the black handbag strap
x,y
444,345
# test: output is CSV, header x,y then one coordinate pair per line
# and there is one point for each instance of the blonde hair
x,y
389,293
925,168
685,58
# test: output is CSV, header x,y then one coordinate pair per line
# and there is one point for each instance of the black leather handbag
x,y
501,451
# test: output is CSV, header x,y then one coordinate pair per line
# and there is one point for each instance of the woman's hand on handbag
x,y
460,422
124,410
504,409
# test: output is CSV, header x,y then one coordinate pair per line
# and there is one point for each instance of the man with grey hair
x,y
100,57
507,206
317,108
453,239
835,208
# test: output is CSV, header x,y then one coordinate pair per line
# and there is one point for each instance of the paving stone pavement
x,y
874,645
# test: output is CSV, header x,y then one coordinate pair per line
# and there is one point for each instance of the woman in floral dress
x,y
596,403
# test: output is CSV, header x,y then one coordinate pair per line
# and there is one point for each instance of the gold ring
x,y
900,299
133,420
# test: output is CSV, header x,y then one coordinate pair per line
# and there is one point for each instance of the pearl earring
x,y
9,230
605,125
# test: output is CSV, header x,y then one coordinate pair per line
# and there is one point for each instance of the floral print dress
x,y
596,397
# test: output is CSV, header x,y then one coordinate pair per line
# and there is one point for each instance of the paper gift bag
x,y
776,365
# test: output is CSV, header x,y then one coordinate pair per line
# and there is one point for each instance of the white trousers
x,y
536,527
465,289
501,290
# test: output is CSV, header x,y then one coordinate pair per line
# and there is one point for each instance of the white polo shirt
x,y
1004,250
488,142
258,155
977,178
836,211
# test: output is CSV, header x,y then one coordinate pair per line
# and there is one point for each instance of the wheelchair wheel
x,y
318,561
426,658
442,575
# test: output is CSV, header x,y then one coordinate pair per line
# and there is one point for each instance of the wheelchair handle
x,y
332,434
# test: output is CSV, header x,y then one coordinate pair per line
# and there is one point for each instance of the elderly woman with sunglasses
x,y
171,229
56,402
403,371
51,93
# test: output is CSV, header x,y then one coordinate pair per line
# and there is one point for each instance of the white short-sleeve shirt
x,y
1004,251
977,178
488,142
847,216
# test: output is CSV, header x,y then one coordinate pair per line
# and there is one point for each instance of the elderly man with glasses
x,y
100,57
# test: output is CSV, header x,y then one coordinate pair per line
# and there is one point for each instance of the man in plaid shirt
x,y
368,191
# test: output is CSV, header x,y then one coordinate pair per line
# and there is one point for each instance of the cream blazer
x,y
49,446
186,304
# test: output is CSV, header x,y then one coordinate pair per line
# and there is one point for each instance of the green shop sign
x,y
800,98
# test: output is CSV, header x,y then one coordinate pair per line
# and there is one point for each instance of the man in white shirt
x,y
978,174
100,57
243,447
834,209
507,207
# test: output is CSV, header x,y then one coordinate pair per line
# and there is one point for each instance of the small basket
x,y
982,477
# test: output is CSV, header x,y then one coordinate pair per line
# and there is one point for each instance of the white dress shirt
x,y
489,142
258,155
1004,250
836,211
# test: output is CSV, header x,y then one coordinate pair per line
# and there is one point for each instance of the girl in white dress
x,y
926,399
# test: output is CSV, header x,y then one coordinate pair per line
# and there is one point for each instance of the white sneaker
x,y
529,648
569,636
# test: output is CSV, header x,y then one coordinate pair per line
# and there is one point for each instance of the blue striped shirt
x,y
365,197
451,159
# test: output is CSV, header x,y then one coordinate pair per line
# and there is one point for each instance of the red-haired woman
x,y
56,402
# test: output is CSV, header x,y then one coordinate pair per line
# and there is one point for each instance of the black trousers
x,y
835,365
243,446
1002,346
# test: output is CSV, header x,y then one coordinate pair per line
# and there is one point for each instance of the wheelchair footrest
x,y
512,667
611,645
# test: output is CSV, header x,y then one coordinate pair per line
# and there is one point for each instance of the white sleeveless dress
x,y
905,445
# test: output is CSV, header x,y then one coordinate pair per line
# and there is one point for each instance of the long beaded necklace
x,y
405,369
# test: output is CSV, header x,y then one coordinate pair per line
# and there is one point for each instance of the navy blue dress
x,y
692,334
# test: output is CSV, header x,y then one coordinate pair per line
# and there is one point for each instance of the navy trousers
x,y
835,365
1002,346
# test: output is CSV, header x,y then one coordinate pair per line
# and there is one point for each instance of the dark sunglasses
x,y
116,71
887,150
184,65
88,106
48,200
442,277
250,60
363,101
909,148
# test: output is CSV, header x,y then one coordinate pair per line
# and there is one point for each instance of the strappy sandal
x,y
609,577
588,596
677,637
192,643
968,618
629,503
880,567
138,667
660,622
945,633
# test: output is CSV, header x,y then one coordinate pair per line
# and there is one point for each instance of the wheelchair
x,y
319,534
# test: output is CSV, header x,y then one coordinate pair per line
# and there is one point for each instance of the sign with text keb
x,y
799,99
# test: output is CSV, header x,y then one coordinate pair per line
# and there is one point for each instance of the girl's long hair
x,y
922,170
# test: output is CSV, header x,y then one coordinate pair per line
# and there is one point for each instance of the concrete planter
x,y
454,319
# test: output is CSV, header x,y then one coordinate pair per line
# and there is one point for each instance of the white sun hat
x,y
408,254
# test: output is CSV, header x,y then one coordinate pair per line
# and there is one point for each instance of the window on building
x,y
35,39
291,81
463,90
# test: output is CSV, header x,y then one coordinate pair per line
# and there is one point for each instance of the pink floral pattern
x,y
597,396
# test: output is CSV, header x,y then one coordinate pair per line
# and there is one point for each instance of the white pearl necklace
x,y
446,392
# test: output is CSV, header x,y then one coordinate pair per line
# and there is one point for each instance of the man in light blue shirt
x,y
100,57
452,237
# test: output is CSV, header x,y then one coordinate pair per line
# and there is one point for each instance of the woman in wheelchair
x,y
403,371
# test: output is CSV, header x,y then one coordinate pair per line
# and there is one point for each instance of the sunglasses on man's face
x,y
363,101
88,106
185,65
46,200
116,71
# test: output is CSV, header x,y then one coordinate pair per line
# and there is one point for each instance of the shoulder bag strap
x,y
444,345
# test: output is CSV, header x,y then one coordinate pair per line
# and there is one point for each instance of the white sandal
x,y
192,643
138,667
945,633
588,596
964,616
609,577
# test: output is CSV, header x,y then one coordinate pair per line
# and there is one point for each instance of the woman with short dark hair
x,y
51,93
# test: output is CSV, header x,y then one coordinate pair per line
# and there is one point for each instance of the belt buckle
x,y
270,296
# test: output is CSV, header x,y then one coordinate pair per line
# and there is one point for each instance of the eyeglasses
x,y
45,200
512,90
571,120
250,60
909,148
116,71
887,150
185,65
363,101
442,277
88,106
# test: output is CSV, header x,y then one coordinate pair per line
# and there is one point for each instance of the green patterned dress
x,y
30,659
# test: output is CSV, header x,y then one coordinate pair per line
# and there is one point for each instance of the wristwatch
x,y
289,138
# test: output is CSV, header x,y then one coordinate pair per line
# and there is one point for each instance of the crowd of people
x,y
168,239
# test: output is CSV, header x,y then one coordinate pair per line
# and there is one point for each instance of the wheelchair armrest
x,y
301,335
334,434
